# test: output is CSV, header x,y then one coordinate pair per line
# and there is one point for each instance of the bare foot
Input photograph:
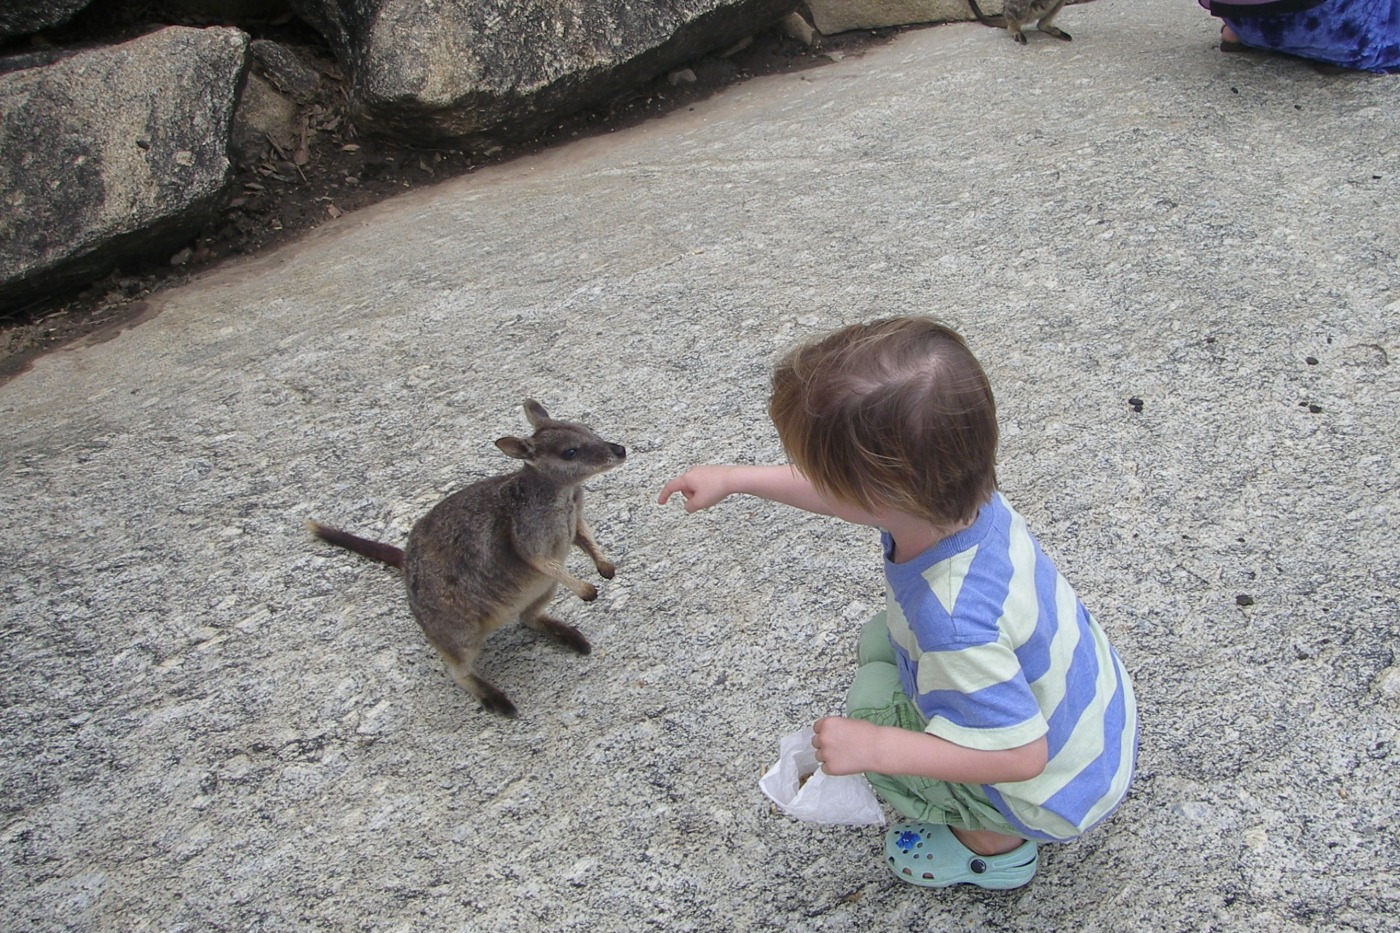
x,y
986,842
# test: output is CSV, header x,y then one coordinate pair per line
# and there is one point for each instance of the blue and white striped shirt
x,y
996,650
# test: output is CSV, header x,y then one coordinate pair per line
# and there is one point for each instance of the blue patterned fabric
x,y
1358,34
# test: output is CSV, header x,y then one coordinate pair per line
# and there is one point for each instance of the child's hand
x,y
701,486
845,746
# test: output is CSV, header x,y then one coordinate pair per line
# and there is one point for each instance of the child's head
x,y
891,415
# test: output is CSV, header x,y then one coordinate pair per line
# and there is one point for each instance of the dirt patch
x,y
277,198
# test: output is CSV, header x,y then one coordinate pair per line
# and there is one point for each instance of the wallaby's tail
x,y
373,549
997,21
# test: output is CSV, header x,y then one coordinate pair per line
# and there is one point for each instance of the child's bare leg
x,y
986,842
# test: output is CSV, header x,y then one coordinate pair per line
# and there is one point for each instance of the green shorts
x,y
877,696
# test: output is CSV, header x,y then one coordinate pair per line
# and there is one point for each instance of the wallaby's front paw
x,y
606,569
588,593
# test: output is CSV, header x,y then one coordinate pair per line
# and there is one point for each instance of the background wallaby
x,y
1016,13
495,550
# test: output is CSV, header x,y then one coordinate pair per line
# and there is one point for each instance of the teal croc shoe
x,y
929,854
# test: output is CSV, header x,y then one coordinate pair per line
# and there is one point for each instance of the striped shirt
x,y
996,650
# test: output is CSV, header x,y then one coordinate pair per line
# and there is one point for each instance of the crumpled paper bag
x,y
846,800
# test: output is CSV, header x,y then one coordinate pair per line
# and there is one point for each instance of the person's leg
x,y
875,642
953,834
986,842
877,696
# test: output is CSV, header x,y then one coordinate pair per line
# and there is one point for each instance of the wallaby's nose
x,y
619,450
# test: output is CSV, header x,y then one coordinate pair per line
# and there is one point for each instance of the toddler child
x,y
988,706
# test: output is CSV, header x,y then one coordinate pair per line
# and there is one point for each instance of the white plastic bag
x,y
822,798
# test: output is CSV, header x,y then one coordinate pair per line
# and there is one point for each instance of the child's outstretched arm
x,y
703,486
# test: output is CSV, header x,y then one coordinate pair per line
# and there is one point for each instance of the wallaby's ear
x,y
517,448
535,412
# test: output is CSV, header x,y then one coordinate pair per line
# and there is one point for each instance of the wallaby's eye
x,y
569,454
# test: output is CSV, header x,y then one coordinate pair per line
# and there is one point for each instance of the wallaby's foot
x,y
491,699
1019,36
606,570
1057,32
487,695
588,592
562,632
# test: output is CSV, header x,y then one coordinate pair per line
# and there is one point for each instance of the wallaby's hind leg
x,y
533,617
492,699
1045,27
459,665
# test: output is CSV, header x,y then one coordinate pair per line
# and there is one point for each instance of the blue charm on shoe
x,y
928,854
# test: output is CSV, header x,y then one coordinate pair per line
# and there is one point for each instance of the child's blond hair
x,y
895,414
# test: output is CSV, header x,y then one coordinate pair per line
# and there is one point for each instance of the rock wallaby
x,y
1016,13
494,551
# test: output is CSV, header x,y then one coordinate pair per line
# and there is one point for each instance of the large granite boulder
x,y
836,16
23,17
112,153
437,70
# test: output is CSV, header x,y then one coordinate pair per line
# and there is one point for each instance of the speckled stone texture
x,y
1179,270
506,69
113,153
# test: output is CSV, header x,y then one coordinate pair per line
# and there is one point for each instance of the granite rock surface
x,y
1179,270
113,153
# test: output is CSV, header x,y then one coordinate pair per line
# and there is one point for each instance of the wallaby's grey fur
x,y
494,551
1016,13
